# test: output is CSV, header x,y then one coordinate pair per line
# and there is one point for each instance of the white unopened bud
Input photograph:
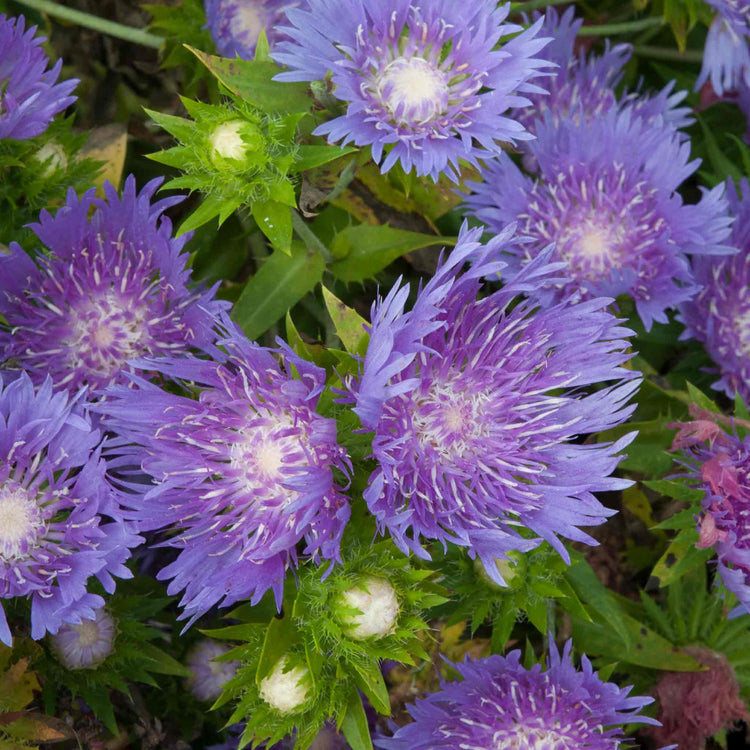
x,y
88,644
226,141
286,691
378,604
53,156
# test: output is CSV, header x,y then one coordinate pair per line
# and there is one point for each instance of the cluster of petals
x,y
59,522
235,25
719,314
726,57
582,87
240,475
499,703
29,94
477,405
719,462
606,196
112,287
425,84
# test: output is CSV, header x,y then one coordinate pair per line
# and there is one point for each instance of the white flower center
x,y
247,21
532,738
592,247
413,90
285,691
450,418
105,333
88,633
21,523
378,604
226,141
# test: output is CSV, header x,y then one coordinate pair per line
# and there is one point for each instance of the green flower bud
x,y
512,570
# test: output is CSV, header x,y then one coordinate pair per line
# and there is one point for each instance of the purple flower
x,y
207,676
113,287
726,57
87,644
720,464
606,195
242,474
719,314
235,25
55,533
581,87
426,84
29,96
476,406
501,704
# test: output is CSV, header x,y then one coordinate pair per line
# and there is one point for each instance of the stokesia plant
x,y
353,372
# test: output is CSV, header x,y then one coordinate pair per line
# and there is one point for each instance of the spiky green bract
x,y
533,578
35,174
325,621
134,657
234,154
262,649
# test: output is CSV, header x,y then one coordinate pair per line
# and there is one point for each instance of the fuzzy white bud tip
x,y
285,691
53,156
226,141
378,604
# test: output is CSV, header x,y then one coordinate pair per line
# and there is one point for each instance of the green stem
x,y
535,5
128,33
621,28
309,237
667,53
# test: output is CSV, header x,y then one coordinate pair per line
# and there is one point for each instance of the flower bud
x,y
208,676
85,645
52,155
285,689
378,605
512,570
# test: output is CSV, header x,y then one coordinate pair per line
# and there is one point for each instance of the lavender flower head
x,y
243,473
59,524
87,644
29,96
207,676
581,87
719,314
720,464
235,25
425,84
501,704
606,195
476,405
114,287
726,57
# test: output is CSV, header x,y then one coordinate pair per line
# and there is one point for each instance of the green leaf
x,y
537,614
354,726
590,590
681,557
280,636
349,324
646,648
721,163
698,397
163,663
370,681
252,80
282,281
275,221
685,519
502,626
309,157
675,490
210,208
364,250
